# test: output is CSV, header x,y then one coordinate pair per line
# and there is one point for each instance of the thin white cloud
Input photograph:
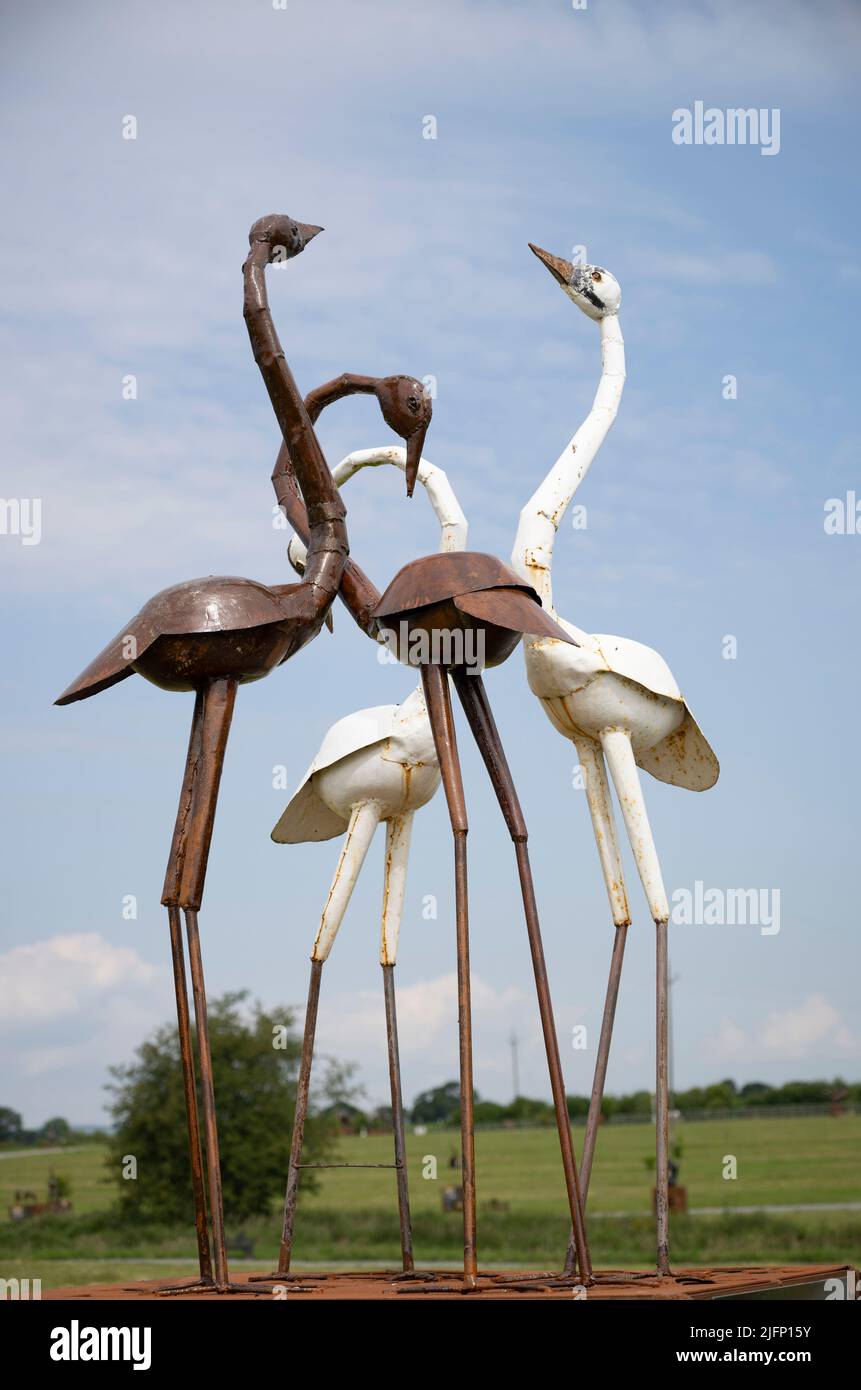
x,y
641,49
427,1015
798,1033
353,1027
71,1006
750,267
62,976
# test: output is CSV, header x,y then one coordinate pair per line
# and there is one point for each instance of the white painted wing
x,y
639,663
307,817
684,758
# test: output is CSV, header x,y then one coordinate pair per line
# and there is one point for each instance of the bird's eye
x,y
596,276
413,403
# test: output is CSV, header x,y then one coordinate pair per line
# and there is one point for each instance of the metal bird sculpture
x,y
618,702
375,765
209,636
451,615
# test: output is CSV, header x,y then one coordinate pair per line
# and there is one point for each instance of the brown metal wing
x,y
107,669
435,578
514,609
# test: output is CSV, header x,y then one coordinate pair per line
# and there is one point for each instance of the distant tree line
x,y
55,1131
441,1104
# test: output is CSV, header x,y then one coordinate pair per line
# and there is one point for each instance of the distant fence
x,y
746,1112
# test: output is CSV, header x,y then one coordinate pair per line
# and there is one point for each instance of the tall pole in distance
x,y
515,1069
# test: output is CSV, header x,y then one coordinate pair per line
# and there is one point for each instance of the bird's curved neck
x,y
357,591
453,525
540,519
327,532
347,384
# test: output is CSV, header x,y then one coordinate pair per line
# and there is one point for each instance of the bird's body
x,y
606,681
464,593
382,756
190,632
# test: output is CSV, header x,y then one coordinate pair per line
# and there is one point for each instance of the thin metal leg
x,y
207,1096
473,696
188,1081
438,701
467,1086
593,1119
597,789
398,1120
623,769
192,838
218,702
170,898
303,1087
662,1101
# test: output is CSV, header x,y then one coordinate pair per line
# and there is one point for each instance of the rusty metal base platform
x,y
783,1282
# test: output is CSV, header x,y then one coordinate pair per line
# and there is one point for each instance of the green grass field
x,y
352,1217
779,1162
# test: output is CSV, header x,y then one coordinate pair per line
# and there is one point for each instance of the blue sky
x,y
705,515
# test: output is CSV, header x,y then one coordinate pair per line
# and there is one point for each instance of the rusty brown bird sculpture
x,y
210,636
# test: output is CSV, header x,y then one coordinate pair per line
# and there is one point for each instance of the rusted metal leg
x,y
170,899
623,769
607,841
438,701
662,1100
218,702
398,1120
207,1096
215,705
188,1081
473,696
303,1087
398,833
597,790
593,1119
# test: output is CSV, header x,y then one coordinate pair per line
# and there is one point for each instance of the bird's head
x,y
593,289
282,237
407,409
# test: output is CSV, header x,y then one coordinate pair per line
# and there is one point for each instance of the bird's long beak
x,y
307,231
415,444
559,269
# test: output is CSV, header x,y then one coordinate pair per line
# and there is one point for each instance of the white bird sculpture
x,y
618,702
376,765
